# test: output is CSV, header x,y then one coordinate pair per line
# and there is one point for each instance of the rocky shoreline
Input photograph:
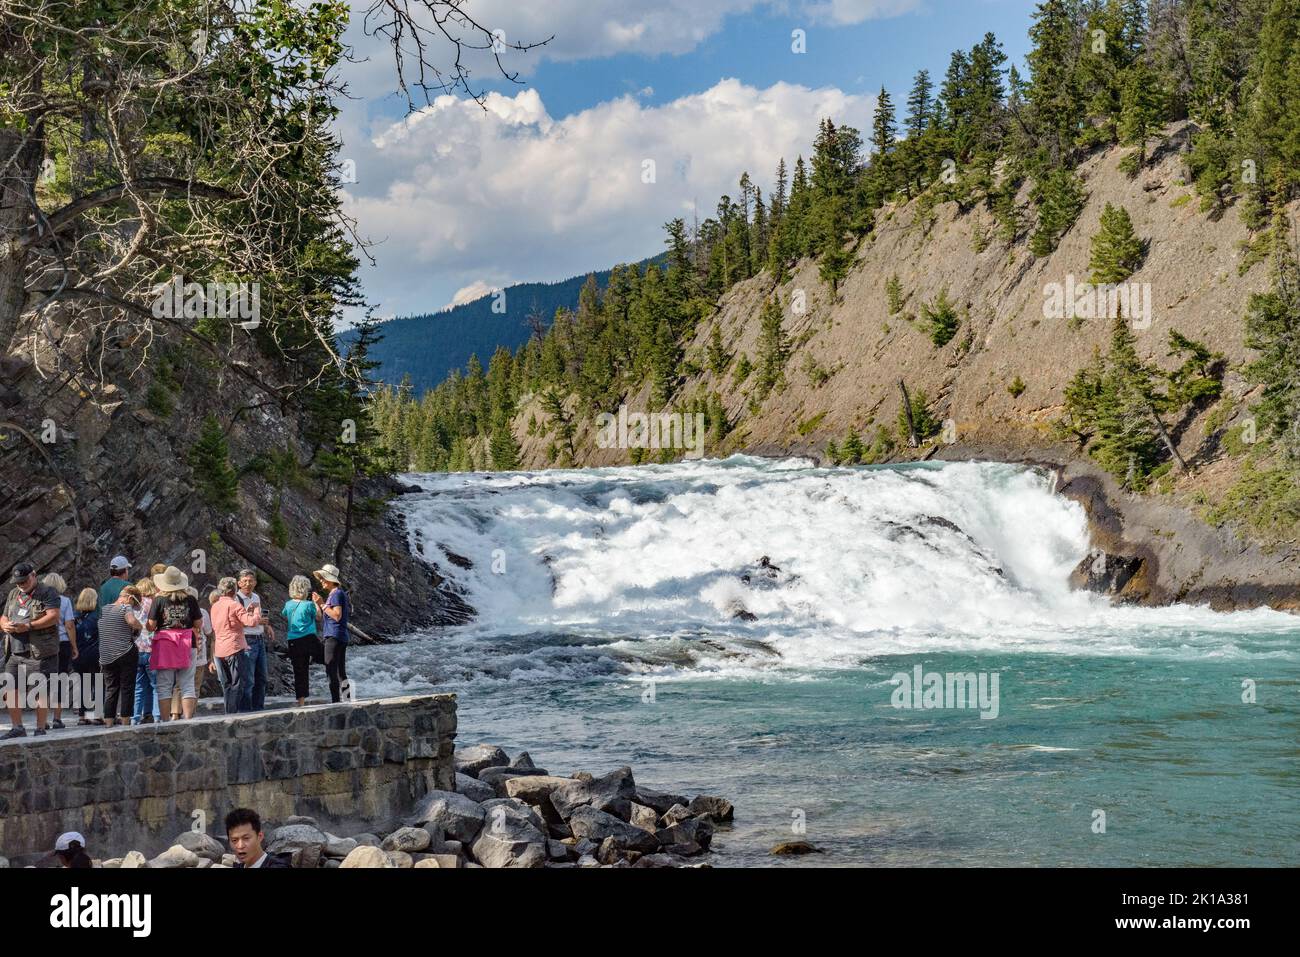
x,y
504,813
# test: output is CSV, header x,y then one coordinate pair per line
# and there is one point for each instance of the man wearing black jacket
x,y
244,830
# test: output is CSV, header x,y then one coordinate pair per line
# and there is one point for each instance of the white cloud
x,y
475,290
470,194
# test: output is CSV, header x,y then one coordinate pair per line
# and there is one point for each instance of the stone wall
x,y
356,767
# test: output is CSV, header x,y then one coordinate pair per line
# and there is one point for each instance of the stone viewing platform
x,y
362,766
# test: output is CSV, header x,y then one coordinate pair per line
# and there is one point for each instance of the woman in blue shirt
x,y
337,609
304,623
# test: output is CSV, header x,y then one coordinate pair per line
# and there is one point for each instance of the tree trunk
x,y
17,181
347,528
907,409
1164,437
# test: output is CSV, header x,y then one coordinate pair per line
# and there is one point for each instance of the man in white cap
x,y
70,849
119,571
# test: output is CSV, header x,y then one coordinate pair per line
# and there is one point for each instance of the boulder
x,y
696,830
401,859
689,849
557,850
407,839
611,793
341,848
113,862
522,761
656,860
1104,573
308,857
367,839
203,862
675,815
527,810
229,860
300,819
367,856
136,859
659,800
292,837
715,809
175,856
439,860
496,778
600,826
509,838
795,847
644,817
459,817
534,789
201,844
473,788
474,759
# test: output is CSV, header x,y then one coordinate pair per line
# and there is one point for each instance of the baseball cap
x,y
22,571
119,562
65,840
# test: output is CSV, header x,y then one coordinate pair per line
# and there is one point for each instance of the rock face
x,y
1103,573
509,838
612,793
600,826
474,759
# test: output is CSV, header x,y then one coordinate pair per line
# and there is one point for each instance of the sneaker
x,y
38,732
57,725
18,732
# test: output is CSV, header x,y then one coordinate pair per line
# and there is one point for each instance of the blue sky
x,y
546,183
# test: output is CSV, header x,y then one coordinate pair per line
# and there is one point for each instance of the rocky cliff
x,y
998,384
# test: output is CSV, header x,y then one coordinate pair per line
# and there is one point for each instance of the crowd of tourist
x,y
154,642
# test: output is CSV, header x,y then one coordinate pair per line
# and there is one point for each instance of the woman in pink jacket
x,y
229,663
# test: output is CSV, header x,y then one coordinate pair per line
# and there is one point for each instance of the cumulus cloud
x,y
475,290
468,193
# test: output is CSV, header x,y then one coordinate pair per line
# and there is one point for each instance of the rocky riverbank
x,y
504,812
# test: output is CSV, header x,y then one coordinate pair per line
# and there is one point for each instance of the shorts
x,y
166,679
45,666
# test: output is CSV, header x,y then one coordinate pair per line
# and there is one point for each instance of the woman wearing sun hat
x,y
336,609
174,618
70,849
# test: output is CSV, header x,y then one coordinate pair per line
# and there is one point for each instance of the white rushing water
x,y
642,570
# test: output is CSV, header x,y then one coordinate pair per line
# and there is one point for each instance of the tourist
x,y
229,661
304,620
87,663
119,571
67,639
70,849
244,831
336,609
30,626
119,655
146,691
176,622
201,658
257,636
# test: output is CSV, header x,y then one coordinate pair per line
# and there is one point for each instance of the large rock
x,y
174,856
474,759
474,789
134,859
293,837
203,845
534,789
599,826
716,809
1104,573
612,793
509,838
401,859
697,830
341,848
522,761
644,817
659,800
408,839
497,778
439,860
459,817
516,806
367,856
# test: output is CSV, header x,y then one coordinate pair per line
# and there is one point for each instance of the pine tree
x,y
1117,252
773,348
504,448
852,450
1140,110
215,480
919,105
883,128
1056,102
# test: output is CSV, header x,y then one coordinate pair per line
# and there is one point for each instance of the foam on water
x,y
641,570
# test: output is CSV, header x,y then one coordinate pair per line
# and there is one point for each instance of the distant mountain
x,y
428,347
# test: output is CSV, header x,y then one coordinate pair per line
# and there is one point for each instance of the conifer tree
x,y
773,348
215,480
1116,250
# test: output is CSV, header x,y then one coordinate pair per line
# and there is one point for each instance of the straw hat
x,y
173,579
329,573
